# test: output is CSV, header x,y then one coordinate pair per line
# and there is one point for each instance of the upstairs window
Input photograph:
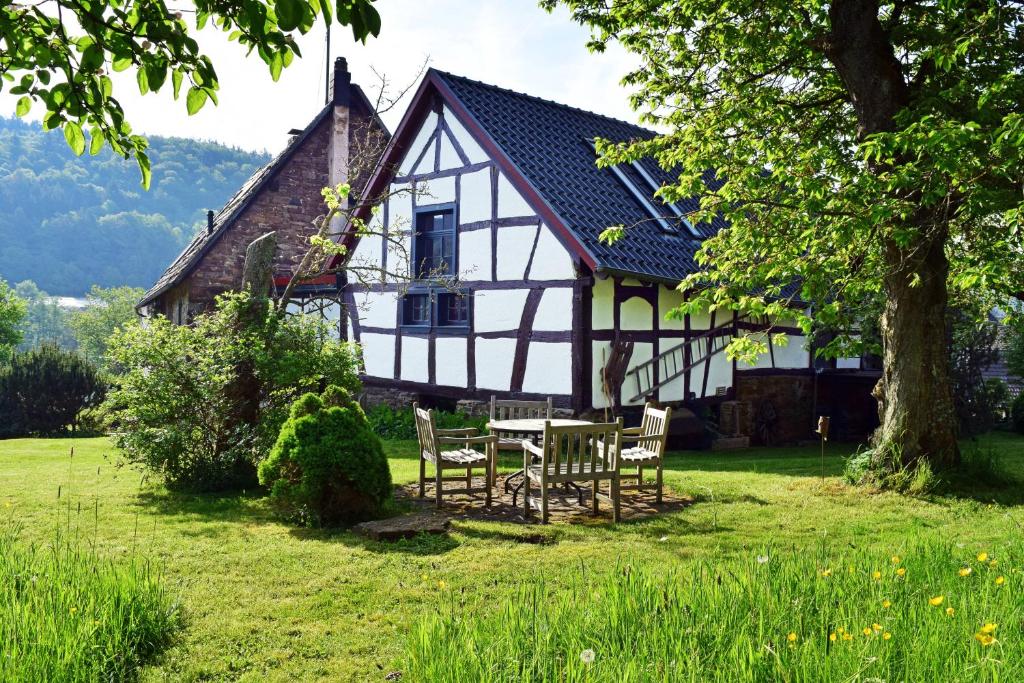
x,y
437,309
434,243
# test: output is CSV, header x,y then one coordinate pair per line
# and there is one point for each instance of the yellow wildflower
x,y
886,604
423,576
876,627
902,571
989,628
984,638
73,610
896,559
847,636
982,557
832,637
950,611
886,635
791,637
1000,581
826,572
993,564
936,601
441,585
965,571
866,631
841,629
876,575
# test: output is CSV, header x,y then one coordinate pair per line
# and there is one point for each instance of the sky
x,y
510,43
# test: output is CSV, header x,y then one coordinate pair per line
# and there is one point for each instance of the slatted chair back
x,y
521,410
426,432
576,453
654,429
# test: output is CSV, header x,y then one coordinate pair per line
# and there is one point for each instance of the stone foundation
x,y
791,396
396,399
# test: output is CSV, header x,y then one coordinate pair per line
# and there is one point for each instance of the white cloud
x,y
510,43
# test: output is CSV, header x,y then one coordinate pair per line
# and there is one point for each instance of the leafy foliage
x,y
45,389
12,312
1017,413
328,467
388,423
108,310
973,350
62,59
45,320
173,408
72,222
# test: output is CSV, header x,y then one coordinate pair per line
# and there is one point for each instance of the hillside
x,y
70,222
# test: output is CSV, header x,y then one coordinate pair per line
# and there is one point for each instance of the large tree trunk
x,y
918,420
915,398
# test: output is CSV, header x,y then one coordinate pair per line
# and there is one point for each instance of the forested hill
x,y
70,222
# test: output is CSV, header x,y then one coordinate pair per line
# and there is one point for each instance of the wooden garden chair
x,y
431,440
518,410
649,451
567,455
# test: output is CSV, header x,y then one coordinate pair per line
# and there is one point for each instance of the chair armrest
x,y
631,431
634,437
468,431
488,438
532,448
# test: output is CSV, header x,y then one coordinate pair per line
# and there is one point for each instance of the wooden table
x,y
530,427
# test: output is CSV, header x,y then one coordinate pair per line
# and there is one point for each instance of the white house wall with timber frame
x,y
499,192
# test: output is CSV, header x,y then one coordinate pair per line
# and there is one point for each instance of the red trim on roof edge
x,y
400,140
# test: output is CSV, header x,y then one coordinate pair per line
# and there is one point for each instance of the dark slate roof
x,y
204,240
551,144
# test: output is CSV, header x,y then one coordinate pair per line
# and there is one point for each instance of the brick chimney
x,y
339,145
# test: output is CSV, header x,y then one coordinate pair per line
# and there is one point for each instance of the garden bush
x,y
1017,413
68,615
389,423
44,391
328,467
175,409
931,612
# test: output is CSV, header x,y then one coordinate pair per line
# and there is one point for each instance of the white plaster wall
x,y
475,255
555,310
719,376
450,361
510,202
414,358
436,191
475,197
400,207
376,309
642,352
498,310
548,368
553,261
635,314
449,157
473,151
600,351
494,359
294,308
601,313
794,354
379,355
674,390
422,135
514,246
702,321
847,363
668,299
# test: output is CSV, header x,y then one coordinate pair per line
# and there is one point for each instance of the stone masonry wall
x,y
792,397
288,204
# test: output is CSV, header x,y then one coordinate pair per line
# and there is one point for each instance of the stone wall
x,y
791,396
288,204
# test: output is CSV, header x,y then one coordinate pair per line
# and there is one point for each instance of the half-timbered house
x,y
500,191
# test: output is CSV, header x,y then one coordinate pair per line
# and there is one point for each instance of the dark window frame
x,y
437,295
428,209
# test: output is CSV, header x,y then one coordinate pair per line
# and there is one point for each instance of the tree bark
x,y
915,400
915,397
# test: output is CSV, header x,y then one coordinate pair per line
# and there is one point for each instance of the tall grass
x,y
68,614
786,616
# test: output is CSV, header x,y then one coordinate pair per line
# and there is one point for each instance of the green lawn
x,y
265,601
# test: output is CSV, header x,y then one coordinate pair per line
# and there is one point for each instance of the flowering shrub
x,y
327,467
175,408
932,613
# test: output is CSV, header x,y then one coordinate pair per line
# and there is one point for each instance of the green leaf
x,y
143,80
275,66
121,63
96,144
195,100
75,138
24,104
289,13
147,174
176,83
